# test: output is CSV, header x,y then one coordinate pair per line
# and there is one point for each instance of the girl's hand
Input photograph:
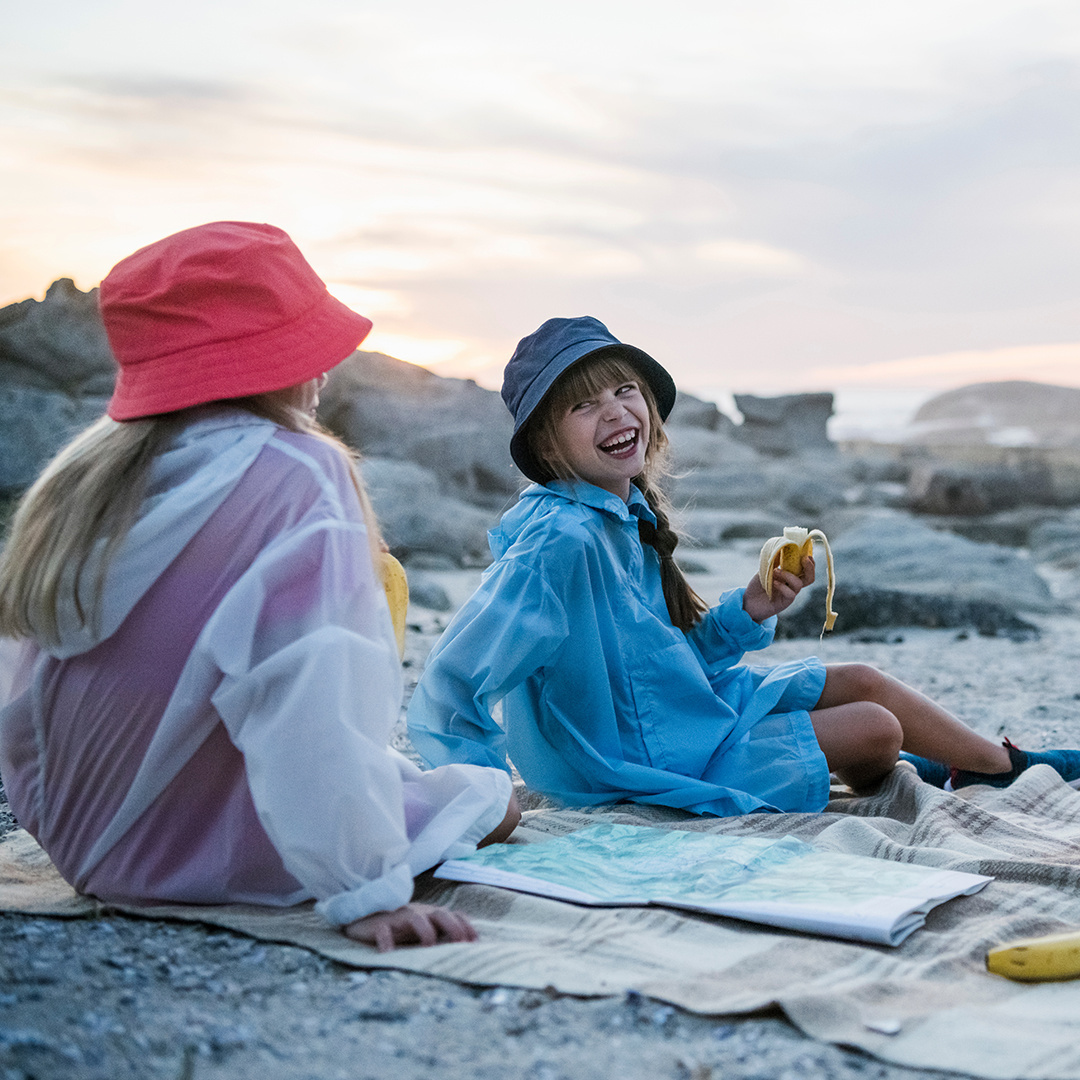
x,y
786,586
413,924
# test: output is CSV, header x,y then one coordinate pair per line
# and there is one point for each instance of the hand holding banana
x,y
787,552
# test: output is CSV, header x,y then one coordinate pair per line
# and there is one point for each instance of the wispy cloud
x,y
1058,363
764,194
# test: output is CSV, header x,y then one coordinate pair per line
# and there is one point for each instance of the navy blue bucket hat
x,y
545,354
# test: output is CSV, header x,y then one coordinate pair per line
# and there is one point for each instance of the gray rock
x,y
1009,413
461,432
888,550
711,528
34,425
425,591
971,489
1057,543
57,343
702,448
692,412
722,487
1008,528
785,425
416,517
860,607
814,485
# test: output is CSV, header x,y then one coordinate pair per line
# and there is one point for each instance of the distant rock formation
x,y
1010,413
785,425
56,376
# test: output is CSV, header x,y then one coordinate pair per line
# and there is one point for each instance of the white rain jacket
x,y
222,733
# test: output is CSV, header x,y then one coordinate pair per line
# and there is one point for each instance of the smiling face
x,y
598,426
603,437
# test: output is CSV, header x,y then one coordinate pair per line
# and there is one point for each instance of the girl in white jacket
x,y
203,674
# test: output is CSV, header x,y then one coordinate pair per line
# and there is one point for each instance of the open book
x,y
783,882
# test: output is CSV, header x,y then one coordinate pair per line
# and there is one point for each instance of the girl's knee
x,y
855,682
884,734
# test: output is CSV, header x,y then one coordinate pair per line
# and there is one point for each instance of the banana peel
x,y
396,586
787,552
1039,959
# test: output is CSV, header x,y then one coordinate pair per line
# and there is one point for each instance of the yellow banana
x,y
788,552
1041,959
396,585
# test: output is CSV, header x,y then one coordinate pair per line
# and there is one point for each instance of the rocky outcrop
x,y
892,551
1010,413
968,489
861,608
452,427
416,516
785,425
56,375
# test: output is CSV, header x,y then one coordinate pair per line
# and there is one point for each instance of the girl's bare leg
x,y
928,730
861,740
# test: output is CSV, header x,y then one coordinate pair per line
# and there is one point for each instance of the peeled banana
x,y
788,552
396,585
1041,959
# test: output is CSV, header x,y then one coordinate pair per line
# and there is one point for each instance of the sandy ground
x,y
121,997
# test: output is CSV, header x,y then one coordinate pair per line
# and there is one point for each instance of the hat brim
x,y
660,383
281,357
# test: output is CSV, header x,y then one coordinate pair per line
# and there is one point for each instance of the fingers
x,y
384,936
413,924
453,926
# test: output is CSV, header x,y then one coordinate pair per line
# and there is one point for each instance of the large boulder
x,y
971,489
1009,413
785,425
692,412
57,344
459,431
34,425
416,518
892,551
861,607
56,376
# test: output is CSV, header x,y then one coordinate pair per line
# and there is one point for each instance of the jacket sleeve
x,y
309,693
511,627
725,633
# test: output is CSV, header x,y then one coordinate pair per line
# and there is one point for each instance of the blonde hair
x,y
583,380
92,491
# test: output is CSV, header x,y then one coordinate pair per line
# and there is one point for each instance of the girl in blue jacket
x,y
615,680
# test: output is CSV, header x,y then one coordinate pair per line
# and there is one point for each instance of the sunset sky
x,y
768,197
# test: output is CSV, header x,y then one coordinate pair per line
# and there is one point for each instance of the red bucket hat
x,y
223,310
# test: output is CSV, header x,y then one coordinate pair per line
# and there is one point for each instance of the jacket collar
x,y
596,497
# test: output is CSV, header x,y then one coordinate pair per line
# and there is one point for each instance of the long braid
x,y
685,607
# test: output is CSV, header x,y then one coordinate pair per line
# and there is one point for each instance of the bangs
x,y
588,378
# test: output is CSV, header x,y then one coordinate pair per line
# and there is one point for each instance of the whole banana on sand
x,y
788,552
1041,959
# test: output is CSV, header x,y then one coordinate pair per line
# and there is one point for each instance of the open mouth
x,y
623,443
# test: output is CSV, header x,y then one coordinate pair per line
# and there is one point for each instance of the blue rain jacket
x,y
603,699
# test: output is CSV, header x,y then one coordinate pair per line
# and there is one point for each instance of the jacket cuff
x,y
387,893
749,635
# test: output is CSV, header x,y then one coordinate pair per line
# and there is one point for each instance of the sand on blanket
x,y
927,1004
